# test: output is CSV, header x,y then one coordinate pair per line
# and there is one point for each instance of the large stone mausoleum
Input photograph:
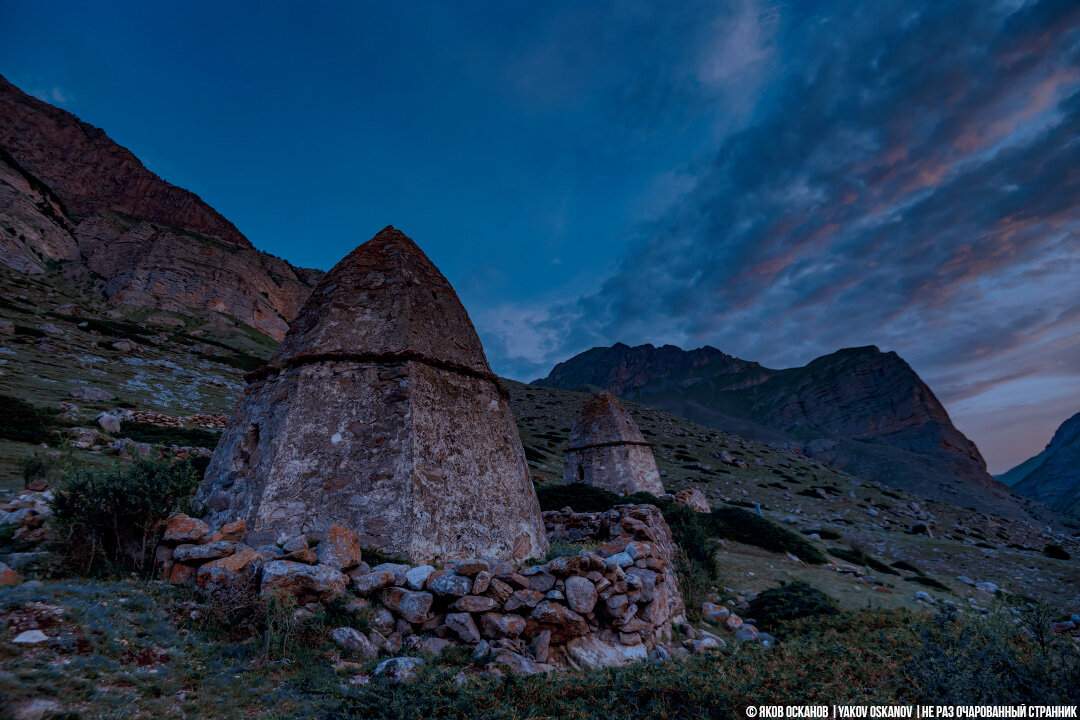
x,y
379,413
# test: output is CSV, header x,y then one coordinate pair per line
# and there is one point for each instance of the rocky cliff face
x,y
71,198
858,409
1053,476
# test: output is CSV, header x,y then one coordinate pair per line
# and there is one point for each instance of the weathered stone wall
x,y
606,604
377,448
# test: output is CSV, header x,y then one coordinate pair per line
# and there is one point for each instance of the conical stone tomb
x,y
607,449
379,412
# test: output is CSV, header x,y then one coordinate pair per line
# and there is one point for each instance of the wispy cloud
x,y
909,179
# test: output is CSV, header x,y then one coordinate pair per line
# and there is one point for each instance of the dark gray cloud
x,y
910,177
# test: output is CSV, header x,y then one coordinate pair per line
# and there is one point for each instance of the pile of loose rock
x,y
608,604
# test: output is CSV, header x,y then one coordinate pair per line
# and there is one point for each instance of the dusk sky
x,y
778,180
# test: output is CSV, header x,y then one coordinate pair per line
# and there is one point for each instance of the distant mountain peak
x,y
1053,476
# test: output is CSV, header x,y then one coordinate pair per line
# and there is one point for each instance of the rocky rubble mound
x,y
27,513
602,606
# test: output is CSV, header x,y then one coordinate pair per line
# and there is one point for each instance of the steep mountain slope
x,y
859,409
1053,476
75,202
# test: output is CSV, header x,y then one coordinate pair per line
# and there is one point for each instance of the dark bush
x,y
690,529
989,661
157,435
244,362
1056,552
860,558
753,529
19,420
579,496
775,606
928,582
114,518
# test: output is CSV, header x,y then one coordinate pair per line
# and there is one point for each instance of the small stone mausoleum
x,y
607,449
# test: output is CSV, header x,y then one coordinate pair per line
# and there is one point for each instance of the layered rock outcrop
x,y
607,449
72,197
380,413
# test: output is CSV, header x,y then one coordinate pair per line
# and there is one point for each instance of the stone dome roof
x,y
386,299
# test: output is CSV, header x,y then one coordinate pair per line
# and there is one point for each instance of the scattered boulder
x,y
8,576
300,580
93,394
184,529
340,548
30,637
348,638
109,423
693,499
399,669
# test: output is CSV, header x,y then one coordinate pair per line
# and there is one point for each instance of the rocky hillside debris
x,y
624,595
27,512
692,498
210,421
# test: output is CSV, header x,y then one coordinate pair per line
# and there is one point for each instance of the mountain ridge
x,y
859,409
74,201
1053,476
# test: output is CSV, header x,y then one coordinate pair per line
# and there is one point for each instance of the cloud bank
x,y
899,174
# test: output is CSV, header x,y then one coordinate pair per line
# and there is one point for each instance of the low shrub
x,y
37,466
113,518
992,660
928,582
774,607
21,421
579,496
861,558
753,529
157,435
690,529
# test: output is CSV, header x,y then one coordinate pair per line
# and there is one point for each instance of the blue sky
x,y
776,179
